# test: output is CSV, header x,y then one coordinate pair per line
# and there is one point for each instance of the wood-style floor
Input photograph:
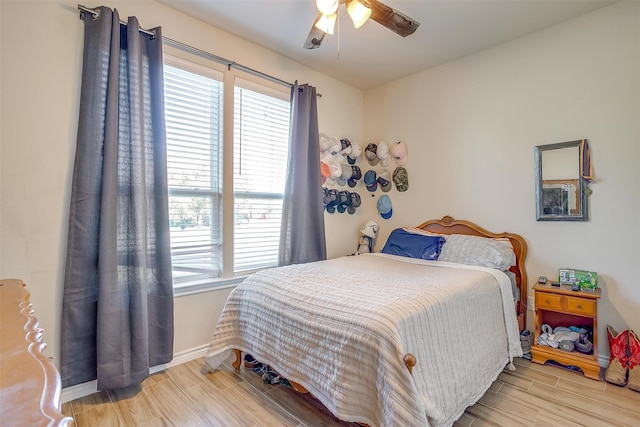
x,y
186,395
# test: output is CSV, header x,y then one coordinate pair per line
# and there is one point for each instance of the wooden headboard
x,y
448,225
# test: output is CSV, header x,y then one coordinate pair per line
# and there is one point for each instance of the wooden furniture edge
x,y
449,225
589,366
49,398
588,363
566,290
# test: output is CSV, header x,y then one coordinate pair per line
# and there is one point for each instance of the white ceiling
x,y
373,55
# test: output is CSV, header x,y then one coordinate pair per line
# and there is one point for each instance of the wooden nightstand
x,y
560,306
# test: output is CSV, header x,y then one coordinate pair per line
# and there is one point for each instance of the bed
x,y
383,339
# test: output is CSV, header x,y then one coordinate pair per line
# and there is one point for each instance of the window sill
x,y
206,286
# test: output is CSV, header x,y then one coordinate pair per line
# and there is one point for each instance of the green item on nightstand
x,y
586,280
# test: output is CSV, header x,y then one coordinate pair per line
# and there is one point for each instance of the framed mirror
x,y
560,187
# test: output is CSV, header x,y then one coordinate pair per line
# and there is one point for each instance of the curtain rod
x,y
96,15
198,52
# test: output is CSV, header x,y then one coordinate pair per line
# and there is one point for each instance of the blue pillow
x,y
403,243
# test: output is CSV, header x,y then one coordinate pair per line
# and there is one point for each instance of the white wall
x,y
40,83
471,126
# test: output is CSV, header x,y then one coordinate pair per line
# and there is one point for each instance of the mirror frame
x,y
582,185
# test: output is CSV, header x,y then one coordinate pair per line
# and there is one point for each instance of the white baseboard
x,y
603,361
77,391
81,390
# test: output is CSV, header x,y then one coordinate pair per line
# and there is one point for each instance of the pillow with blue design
x,y
411,245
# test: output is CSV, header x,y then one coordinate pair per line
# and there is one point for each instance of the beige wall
x,y
40,82
471,126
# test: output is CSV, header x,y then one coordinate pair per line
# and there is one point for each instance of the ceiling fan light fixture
x,y
327,23
359,11
327,7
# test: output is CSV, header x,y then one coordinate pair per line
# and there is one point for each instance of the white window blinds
x,y
193,111
261,135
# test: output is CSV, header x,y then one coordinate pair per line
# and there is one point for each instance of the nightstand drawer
x,y
546,300
581,306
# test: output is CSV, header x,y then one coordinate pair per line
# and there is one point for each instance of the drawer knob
x,y
547,302
580,306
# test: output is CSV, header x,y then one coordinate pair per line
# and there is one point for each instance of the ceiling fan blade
x,y
396,21
315,37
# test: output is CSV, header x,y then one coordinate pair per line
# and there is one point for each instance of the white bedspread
x,y
341,327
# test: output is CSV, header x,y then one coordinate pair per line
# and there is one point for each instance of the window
x,y
260,144
199,199
193,113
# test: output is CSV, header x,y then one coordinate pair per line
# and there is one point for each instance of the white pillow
x,y
416,230
481,251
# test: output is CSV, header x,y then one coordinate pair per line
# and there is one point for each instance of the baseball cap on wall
x,y
325,171
384,180
346,147
399,153
323,140
356,174
335,146
384,207
346,171
401,179
356,151
371,153
370,180
344,201
383,154
335,170
356,200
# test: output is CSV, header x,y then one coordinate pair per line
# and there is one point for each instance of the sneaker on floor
x,y
271,377
260,368
250,361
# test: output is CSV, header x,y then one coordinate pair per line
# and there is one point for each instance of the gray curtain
x,y
302,236
117,313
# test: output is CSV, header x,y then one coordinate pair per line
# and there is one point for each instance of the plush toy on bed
x,y
369,232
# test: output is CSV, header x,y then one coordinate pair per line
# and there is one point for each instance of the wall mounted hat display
x,y
340,201
339,158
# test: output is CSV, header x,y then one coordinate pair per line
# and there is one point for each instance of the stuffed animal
x,y
365,245
369,232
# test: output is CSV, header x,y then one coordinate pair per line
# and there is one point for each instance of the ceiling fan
x,y
359,11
